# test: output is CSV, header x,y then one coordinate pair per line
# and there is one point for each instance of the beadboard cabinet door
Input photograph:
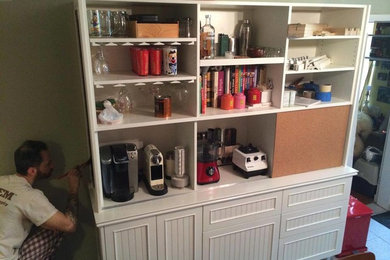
x,y
132,240
179,235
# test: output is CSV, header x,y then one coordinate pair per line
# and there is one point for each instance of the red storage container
x,y
356,229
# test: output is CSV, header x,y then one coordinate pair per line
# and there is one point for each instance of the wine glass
x,y
100,64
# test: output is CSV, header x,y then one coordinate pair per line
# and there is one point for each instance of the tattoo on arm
x,y
72,207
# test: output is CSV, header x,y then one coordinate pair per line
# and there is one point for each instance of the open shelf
x,y
142,195
217,113
221,61
109,41
334,102
113,78
331,68
144,116
334,37
229,178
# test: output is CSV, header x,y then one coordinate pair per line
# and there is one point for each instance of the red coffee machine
x,y
207,169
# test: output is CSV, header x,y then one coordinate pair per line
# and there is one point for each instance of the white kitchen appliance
x,y
250,161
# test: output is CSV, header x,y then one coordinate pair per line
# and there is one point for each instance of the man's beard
x,y
42,175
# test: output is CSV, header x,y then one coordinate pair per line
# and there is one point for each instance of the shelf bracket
x,y
99,86
190,43
127,44
158,83
175,82
158,43
111,44
144,44
140,84
94,44
191,81
175,43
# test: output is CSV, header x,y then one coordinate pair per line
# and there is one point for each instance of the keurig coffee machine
x,y
119,169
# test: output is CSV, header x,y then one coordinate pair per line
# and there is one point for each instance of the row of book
x,y
228,80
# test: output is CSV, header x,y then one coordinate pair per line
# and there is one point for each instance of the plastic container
x,y
356,228
324,96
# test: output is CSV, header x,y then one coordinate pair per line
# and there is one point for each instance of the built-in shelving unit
x,y
269,127
266,20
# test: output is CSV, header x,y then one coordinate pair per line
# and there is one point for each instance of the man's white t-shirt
x,y
20,206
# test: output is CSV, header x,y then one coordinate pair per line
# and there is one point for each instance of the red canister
x,y
227,102
254,96
155,60
142,61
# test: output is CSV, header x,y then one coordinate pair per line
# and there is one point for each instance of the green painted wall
x,y
41,97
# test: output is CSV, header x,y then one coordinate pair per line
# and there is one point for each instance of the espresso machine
x,y
154,171
119,169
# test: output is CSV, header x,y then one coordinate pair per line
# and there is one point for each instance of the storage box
x,y
356,228
304,30
153,30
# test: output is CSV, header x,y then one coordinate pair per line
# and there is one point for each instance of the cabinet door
x,y
180,235
133,240
316,244
250,241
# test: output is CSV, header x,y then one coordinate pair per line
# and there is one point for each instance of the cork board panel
x,y
309,140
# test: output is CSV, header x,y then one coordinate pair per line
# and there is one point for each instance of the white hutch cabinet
x,y
299,210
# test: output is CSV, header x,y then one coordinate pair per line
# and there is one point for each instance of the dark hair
x,y
28,155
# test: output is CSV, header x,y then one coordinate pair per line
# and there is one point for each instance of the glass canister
x,y
93,22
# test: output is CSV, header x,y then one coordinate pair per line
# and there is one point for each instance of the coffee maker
x,y
154,171
207,168
119,169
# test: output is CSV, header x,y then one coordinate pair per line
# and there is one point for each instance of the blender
x,y
207,168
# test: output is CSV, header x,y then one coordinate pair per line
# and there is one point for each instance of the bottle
x,y
207,39
245,34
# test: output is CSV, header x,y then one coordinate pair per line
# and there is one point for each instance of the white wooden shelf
x,y
335,37
331,68
334,102
128,77
217,113
221,61
142,195
109,41
144,116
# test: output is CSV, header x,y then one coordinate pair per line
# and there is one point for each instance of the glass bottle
x,y
245,35
207,39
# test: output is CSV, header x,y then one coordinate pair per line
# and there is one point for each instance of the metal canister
x,y
179,161
170,60
162,106
155,58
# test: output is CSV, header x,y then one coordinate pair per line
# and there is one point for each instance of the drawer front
x,y
316,244
313,218
249,241
237,211
316,194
